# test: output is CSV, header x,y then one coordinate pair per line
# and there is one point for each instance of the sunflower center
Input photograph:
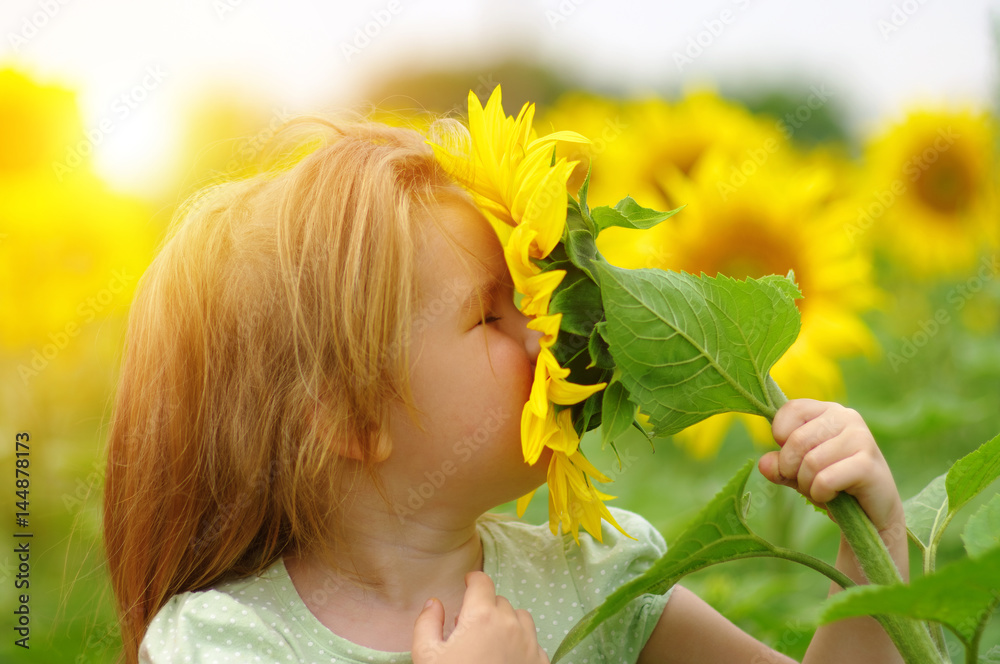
x,y
746,249
946,185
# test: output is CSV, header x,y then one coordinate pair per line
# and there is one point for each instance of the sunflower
x,y
510,173
640,144
779,218
929,192
83,245
635,143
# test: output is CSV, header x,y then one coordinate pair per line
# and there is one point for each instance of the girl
x,y
320,400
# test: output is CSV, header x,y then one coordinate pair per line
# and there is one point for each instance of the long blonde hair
x,y
270,329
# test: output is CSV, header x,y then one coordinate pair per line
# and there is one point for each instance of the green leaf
x,y
973,473
600,356
785,284
617,412
719,533
927,513
590,414
580,304
962,596
628,214
691,347
982,530
579,241
584,189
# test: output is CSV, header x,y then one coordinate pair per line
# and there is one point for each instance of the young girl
x,y
320,400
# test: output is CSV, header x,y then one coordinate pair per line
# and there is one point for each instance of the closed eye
x,y
489,319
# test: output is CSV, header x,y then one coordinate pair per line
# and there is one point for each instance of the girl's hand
x,y
488,630
827,448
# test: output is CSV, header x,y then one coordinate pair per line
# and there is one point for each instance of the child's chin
x,y
539,470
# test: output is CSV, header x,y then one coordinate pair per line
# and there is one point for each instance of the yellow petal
x,y
568,136
522,503
545,211
565,393
548,326
538,292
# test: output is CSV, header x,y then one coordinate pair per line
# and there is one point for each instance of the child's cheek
x,y
514,368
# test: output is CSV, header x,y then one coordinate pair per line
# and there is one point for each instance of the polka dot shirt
x,y
263,619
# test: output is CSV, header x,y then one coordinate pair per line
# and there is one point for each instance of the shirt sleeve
x,y
611,563
211,627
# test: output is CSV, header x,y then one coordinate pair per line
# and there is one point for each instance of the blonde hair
x,y
270,332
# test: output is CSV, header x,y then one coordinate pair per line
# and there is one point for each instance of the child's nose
x,y
532,339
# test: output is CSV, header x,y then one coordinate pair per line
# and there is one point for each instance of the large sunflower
x,y
510,174
779,219
929,196
635,143
83,244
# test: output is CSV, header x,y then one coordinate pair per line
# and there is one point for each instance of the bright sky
x,y
138,63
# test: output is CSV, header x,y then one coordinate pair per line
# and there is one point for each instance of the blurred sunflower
x,y
71,251
779,219
636,143
510,173
929,193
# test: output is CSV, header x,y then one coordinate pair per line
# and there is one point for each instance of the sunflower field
x,y
893,235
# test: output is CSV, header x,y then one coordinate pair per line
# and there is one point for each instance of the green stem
x,y
910,636
930,557
826,569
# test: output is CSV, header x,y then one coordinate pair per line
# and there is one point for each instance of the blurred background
x,y
854,143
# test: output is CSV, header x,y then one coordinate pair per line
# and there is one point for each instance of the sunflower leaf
x,y
600,356
982,530
628,214
583,191
927,513
617,412
579,302
719,533
690,347
581,248
973,473
962,596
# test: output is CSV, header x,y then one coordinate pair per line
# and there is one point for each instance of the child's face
x,y
472,363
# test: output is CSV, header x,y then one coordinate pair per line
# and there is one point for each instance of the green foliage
x,y
718,534
962,596
982,531
690,347
629,214
973,473
617,412
686,347
927,513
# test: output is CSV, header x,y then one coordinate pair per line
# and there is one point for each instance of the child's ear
x,y
345,444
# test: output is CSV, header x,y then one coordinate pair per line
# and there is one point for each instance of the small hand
x,y
827,448
488,630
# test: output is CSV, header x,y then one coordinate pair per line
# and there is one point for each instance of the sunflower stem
x,y
910,636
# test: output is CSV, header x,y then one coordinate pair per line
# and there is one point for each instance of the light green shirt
x,y
263,619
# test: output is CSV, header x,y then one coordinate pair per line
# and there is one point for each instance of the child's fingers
x,y
428,630
794,414
527,622
837,477
480,595
821,457
802,442
768,466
